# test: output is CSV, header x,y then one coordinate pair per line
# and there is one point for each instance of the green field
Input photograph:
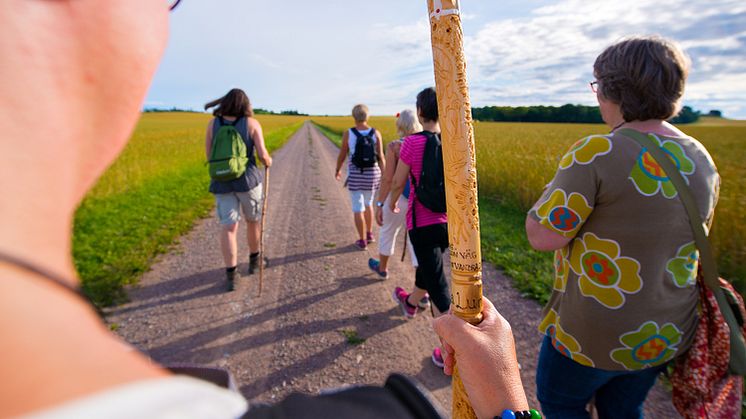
x,y
148,197
158,187
516,160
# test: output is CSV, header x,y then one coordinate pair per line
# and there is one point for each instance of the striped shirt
x,y
411,153
370,177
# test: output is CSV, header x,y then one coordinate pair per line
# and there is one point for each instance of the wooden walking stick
x,y
261,234
459,164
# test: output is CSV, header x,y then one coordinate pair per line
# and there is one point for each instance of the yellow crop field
x,y
516,160
166,142
150,195
338,124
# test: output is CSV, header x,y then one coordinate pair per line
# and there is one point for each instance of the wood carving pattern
x,y
460,169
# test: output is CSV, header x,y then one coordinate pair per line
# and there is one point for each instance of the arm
x,y
255,130
379,151
542,238
208,139
486,359
343,150
388,175
397,184
388,172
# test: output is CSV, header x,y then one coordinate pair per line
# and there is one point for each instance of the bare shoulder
x,y
253,123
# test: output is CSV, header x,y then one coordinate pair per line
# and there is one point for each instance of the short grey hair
x,y
407,123
645,75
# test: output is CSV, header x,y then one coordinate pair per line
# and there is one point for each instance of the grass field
x,y
149,196
516,160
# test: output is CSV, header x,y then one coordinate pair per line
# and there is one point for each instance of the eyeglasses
x,y
594,85
172,4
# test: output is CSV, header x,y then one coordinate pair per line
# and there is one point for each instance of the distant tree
x,y
716,113
293,112
686,116
564,113
260,111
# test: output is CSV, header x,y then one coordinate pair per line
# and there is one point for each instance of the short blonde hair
x,y
407,123
360,112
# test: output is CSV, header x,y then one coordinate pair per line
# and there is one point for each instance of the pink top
x,y
411,153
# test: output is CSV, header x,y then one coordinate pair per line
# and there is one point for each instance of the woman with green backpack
x,y
231,139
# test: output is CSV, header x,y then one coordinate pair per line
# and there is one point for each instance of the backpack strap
x,y
356,132
707,261
413,185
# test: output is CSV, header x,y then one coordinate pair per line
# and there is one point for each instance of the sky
x,y
322,58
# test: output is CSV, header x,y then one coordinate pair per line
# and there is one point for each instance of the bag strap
x,y
707,261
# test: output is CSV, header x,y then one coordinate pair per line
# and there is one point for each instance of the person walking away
x,y
427,228
391,223
625,296
364,145
233,113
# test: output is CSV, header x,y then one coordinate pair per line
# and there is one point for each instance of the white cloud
x,y
518,53
547,57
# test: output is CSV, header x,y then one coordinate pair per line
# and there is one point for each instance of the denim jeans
x,y
565,387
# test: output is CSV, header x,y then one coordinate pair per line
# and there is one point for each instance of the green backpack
x,y
228,154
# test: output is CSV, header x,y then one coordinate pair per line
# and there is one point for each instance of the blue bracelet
x,y
521,414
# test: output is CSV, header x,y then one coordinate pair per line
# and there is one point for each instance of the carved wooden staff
x,y
261,235
459,163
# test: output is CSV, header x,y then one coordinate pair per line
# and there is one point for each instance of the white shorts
x,y
388,232
361,200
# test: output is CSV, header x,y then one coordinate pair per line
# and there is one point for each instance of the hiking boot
x,y
400,296
438,358
361,244
232,277
369,237
424,303
375,266
254,262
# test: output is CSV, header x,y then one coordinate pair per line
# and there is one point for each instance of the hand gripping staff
x,y
460,171
262,259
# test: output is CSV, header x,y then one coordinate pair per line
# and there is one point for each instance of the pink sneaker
x,y
400,296
438,358
361,244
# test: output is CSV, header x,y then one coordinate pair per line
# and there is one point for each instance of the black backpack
x,y
431,191
366,154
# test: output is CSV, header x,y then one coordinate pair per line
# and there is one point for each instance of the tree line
x,y
564,113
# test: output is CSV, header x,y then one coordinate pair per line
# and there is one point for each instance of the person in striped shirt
x,y
362,182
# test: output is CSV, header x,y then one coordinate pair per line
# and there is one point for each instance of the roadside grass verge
x,y
504,244
151,195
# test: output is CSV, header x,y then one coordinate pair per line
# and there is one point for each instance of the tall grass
x,y
149,196
516,160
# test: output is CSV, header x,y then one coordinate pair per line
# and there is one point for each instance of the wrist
x,y
379,204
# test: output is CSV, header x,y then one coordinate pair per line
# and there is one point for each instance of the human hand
x,y
338,175
394,207
486,358
379,215
268,161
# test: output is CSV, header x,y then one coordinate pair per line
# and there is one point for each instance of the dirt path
x,y
319,299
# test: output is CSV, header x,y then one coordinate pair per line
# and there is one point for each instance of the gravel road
x,y
323,320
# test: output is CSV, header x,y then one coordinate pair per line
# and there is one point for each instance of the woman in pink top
x,y
428,230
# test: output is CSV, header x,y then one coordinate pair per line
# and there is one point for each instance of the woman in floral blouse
x,y
624,300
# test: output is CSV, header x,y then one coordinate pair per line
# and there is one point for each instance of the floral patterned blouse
x,y
624,294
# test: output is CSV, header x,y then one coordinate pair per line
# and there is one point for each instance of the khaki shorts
x,y
250,202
